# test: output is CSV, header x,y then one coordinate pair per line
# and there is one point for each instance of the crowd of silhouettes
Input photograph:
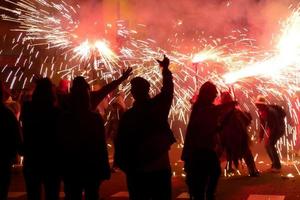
x,y
63,139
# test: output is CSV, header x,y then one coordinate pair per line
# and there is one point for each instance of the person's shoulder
x,y
5,110
95,115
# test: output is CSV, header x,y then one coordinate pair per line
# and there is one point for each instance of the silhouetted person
x,y
83,147
144,139
99,95
39,118
115,111
84,152
202,165
62,92
235,139
272,127
9,144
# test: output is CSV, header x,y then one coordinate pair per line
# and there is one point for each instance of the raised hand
x,y
127,73
165,62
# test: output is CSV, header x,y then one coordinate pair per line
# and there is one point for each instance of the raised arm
x,y
98,96
165,97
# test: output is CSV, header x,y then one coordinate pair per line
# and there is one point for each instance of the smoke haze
x,y
214,17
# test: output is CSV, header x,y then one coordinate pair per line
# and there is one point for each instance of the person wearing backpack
x,y
272,128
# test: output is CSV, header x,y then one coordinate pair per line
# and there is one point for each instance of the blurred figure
x,y
235,139
201,162
9,144
144,139
82,141
98,95
14,106
102,107
62,92
83,148
115,111
40,142
272,127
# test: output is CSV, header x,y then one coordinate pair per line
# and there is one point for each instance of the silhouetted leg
x,y
273,150
249,160
270,153
52,187
160,184
33,182
196,183
214,176
137,186
72,188
5,175
92,190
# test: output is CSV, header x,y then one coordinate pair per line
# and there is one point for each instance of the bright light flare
x,y
207,54
83,50
284,63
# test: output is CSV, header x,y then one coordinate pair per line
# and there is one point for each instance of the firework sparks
x,y
283,64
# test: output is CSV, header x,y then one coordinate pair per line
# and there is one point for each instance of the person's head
x,y
207,93
43,93
80,94
140,88
261,102
226,97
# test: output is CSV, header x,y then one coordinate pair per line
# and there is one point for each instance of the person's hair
x,y
140,88
80,99
207,93
226,97
43,94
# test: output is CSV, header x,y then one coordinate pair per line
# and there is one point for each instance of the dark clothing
x,y
201,161
144,137
272,153
5,176
271,123
154,185
271,130
84,154
203,173
202,129
9,145
36,176
40,150
235,139
115,112
74,185
99,95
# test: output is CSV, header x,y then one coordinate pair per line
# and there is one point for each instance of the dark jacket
x,y
39,134
273,122
9,135
82,145
204,124
234,135
144,134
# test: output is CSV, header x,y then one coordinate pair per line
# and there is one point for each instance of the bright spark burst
x,y
45,25
284,65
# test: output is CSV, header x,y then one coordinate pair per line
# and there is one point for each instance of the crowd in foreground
x,y
62,139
